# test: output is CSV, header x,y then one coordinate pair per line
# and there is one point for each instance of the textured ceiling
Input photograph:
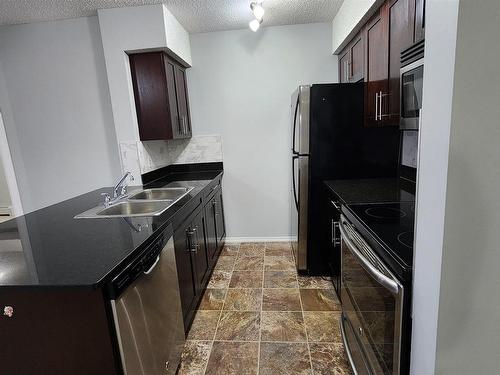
x,y
195,15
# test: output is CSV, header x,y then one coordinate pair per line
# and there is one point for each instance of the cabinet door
x,y
210,230
220,227
357,59
184,268
196,239
151,96
170,67
344,61
419,20
400,37
182,100
376,72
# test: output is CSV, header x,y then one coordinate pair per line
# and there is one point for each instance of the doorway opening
x,y
10,201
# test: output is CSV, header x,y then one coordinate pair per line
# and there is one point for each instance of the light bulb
x,y
254,25
258,10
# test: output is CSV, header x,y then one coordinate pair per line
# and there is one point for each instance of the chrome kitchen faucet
x,y
117,192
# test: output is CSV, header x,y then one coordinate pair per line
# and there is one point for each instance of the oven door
x,y
412,77
372,301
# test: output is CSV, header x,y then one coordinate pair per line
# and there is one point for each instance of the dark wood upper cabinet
x,y
161,98
344,61
351,61
400,37
376,72
419,20
357,59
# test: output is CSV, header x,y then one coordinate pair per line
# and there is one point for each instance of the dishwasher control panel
x,y
137,267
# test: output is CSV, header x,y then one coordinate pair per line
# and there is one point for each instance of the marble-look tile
x,y
323,326
281,300
282,326
238,326
230,249
278,249
243,299
279,263
236,358
252,249
319,300
329,359
204,325
249,264
156,154
225,263
195,357
311,282
213,299
280,279
246,279
219,279
284,358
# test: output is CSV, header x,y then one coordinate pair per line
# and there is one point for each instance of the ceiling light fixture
x,y
254,25
257,10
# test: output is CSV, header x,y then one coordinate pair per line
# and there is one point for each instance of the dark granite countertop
x,y
370,190
49,248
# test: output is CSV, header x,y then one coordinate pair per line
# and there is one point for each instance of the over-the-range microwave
x,y
412,75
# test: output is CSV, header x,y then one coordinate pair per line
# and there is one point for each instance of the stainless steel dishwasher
x,y
147,311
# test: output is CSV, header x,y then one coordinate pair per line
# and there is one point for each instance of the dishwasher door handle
x,y
152,266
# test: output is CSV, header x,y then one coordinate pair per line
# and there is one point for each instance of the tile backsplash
x,y
148,156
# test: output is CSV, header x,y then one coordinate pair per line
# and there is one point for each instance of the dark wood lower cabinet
x,y
198,241
220,225
57,331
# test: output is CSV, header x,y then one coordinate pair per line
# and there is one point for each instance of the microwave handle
x,y
382,279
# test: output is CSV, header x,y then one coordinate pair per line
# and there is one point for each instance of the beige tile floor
x,y
258,317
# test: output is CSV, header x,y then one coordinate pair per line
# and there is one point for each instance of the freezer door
x,y
300,120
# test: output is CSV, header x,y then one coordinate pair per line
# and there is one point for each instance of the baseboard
x,y
257,239
5,211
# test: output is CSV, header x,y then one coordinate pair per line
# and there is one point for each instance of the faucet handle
x,y
107,198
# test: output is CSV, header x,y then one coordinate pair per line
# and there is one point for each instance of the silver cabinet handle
x,y
382,279
335,237
348,70
380,107
376,106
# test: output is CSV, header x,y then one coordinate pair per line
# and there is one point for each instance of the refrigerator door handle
x,y
294,158
295,125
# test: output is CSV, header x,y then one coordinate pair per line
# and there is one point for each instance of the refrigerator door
x,y
299,210
300,120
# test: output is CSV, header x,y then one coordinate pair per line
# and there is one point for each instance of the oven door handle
x,y
382,279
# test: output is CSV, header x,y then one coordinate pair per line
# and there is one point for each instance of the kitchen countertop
x,y
49,248
370,190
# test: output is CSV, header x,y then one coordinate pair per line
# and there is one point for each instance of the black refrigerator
x,y
330,141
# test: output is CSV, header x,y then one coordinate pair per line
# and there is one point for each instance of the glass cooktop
x,y
392,224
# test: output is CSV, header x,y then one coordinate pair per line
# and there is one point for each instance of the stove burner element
x,y
406,239
385,212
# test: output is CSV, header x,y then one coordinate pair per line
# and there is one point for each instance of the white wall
x,y
350,16
56,107
441,26
4,189
131,29
240,87
468,335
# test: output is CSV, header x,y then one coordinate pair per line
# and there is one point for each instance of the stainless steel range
x,y
376,257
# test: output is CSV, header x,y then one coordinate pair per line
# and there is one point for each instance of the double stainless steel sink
x,y
142,203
